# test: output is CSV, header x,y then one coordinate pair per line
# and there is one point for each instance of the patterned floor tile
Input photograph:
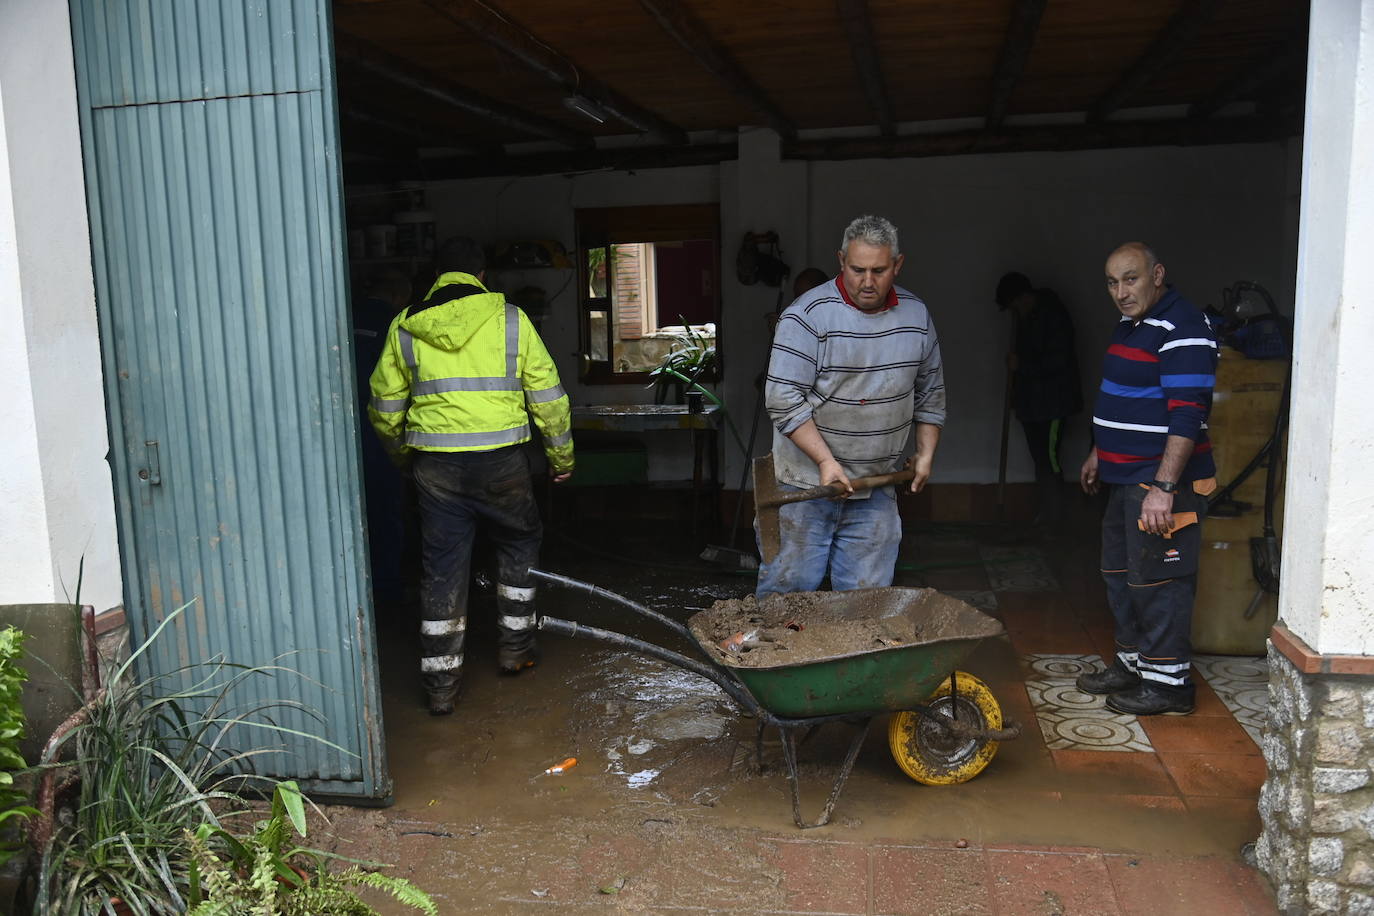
x,y
1017,569
1071,719
982,599
1243,685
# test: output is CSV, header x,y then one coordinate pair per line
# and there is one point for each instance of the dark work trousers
x,y
1151,581
1043,438
457,490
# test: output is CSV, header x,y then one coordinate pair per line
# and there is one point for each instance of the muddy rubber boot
x,y
441,701
512,661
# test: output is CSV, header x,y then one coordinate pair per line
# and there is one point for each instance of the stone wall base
x,y
1317,804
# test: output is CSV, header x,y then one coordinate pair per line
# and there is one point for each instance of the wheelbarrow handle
x,y
834,489
568,582
731,687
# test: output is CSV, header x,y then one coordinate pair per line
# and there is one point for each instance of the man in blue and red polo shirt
x,y
1152,452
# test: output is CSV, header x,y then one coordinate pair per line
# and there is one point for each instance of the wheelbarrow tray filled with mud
x,y
896,645
796,662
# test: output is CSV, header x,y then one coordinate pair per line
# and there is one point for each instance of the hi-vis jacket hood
x,y
451,322
466,371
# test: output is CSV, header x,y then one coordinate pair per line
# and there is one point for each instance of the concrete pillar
x,y
56,496
1317,804
759,192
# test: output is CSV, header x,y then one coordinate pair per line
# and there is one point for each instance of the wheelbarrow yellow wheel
x,y
930,754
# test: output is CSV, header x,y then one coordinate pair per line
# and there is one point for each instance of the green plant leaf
x,y
294,803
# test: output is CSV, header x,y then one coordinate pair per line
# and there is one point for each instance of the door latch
x,y
152,474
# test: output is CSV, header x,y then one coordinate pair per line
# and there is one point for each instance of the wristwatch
x,y
1168,486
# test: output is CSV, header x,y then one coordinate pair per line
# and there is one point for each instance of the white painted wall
x,y
1215,214
1327,595
56,500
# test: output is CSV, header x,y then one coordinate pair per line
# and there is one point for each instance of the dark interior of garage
x,y
728,145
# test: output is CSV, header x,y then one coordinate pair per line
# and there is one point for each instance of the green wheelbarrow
x,y
946,724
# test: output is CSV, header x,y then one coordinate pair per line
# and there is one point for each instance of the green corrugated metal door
x,y
211,148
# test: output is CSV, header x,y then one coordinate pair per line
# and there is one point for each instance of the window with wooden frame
x,y
648,277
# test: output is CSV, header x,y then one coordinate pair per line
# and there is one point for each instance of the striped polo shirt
x,y
1157,381
863,377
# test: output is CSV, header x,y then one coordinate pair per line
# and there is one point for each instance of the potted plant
x,y
690,358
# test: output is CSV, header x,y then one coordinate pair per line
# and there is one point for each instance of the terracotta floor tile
x,y
1193,735
1208,703
1118,772
1039,642
1104,640
1241,809
824,877
930,882
1142,802
1229,775
1159,886
1035,883
1022,608
1256,894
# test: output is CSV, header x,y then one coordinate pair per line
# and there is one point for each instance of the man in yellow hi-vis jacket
x,y
461,376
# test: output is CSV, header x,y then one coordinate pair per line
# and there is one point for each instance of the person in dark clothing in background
x,y
384,294
1044,381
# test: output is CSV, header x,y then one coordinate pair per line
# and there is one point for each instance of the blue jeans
x,y
856,540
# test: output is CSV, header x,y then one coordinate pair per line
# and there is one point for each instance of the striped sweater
x,y
863,377
1157,381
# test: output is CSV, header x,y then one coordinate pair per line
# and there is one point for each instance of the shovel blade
x,y
765,487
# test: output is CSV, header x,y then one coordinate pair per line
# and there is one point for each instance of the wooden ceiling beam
x,y
384,126
858,28
692,35
1180,31
1254,78
368,57
1011,63
1053,138
493,27
1180,132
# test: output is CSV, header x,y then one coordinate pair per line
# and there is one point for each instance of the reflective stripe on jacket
x,y
465,371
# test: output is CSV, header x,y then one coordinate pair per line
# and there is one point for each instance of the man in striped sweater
x,y
1152,452
855,364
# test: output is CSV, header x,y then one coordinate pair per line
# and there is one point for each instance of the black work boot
x,y
1151,698
1111,680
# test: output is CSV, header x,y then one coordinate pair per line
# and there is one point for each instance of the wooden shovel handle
x,y
834,489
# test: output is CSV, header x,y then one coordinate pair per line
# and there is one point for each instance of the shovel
x,y
768,496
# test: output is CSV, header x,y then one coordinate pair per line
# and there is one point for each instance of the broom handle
x,y
834,489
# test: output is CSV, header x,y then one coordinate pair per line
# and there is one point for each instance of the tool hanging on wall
x,y
760,261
